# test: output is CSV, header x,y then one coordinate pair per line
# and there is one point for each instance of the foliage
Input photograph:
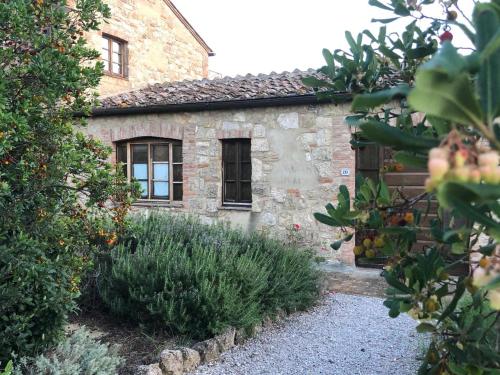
x,y
457,139
8,368
198,279
56,188
78,354
377,214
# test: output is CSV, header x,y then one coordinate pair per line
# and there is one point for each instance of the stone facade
x,y
162,47
297,156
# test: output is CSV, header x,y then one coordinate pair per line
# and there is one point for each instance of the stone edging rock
x,y
180,361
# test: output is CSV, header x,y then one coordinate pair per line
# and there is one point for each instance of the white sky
x,y
260,36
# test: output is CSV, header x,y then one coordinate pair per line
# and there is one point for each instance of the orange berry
x,y
484,262
398,167
409,217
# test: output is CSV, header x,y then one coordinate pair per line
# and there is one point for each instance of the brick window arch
x,y
156,164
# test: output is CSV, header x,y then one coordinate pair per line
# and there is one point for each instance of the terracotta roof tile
x,y
262,86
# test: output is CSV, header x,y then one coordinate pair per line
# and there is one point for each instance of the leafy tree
x,y
59,197
456,137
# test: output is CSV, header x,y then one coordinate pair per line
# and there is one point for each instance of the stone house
x,y
147,41
260,152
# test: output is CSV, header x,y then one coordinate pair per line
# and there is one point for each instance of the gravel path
x,y
345,335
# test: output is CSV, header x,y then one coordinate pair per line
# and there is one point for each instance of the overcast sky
x,y
260,36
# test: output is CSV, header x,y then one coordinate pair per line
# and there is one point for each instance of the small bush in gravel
x,y
79,354
198,279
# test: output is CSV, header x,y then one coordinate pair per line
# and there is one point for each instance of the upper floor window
x,y
114,56
156,164
237,172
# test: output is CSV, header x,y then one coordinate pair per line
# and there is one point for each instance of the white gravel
x,y
344,335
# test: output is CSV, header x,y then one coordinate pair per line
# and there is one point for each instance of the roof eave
x,y
307,99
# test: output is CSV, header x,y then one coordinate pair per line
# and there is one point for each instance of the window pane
x,y
121,153
177,172
246,192
116,68
160,171
230,192
139,153
140,171
177,153
229,151
105,43
177,192
160,189
160,152
245,150
115,46
104,54
230,171
124,170
116,58
144,189
246,171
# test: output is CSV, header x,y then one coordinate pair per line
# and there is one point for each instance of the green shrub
x,y
79,354
36,294
198,279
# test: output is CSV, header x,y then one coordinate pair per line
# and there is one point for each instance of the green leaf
x,y
401,10
378,4
438,94
393,56
385,20
457,369
462,197
421,52
390,136
375,99
441,126
384,195
328,220
344,199
336,245
447,60
352,43
315,82
354,120
395,283
425,327
487,25
411,160
381,34
456,297
492,47
330,62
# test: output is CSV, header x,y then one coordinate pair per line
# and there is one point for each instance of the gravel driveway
x,y
345,335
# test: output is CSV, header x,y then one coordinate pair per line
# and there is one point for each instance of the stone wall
x,y
297,154
160,47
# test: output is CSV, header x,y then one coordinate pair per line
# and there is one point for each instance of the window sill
x,y
236,208
157,203
114,75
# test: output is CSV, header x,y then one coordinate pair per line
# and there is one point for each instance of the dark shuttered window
x,y
237,172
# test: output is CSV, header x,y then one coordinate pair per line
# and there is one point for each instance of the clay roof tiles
x,y
262,86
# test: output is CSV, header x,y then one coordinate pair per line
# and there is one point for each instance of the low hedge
x,y
198,279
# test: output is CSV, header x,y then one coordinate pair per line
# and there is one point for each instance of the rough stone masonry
x,y
297,154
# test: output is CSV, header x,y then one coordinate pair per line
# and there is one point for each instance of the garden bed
x,y
172,281
136,344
